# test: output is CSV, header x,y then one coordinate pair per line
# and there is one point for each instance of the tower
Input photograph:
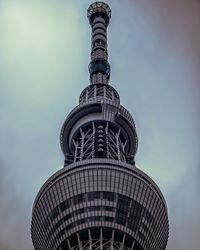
x,y
99,200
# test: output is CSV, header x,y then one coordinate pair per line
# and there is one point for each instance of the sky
x,y
154,52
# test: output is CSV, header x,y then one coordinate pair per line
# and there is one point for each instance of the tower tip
x,y
99,9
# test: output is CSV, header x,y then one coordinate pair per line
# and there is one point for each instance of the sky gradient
x,y
154,52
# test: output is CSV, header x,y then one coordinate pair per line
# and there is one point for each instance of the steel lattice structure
x,y
99,200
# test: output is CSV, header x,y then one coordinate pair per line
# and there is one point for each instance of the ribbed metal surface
x,y
100,195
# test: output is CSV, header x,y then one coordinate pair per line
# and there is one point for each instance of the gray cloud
x,y
175,29
3,247
14,230
156,54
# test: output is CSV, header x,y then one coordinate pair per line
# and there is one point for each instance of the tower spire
x,y
99,200
99,14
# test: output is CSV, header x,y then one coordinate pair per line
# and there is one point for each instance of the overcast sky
x,y
154,52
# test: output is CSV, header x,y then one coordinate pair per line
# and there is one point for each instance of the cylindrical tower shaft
x,y
99,200
99,15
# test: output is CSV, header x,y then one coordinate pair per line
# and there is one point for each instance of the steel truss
x,y
99,141
100,244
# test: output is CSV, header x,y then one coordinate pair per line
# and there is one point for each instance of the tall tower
x,y
99,200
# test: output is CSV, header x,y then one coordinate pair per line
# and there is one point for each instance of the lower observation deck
x,y
99,204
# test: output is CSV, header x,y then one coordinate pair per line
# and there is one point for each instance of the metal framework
x,y
99,200
99,141
98,92
99,244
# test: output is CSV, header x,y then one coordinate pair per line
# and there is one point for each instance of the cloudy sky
x,y
154,52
